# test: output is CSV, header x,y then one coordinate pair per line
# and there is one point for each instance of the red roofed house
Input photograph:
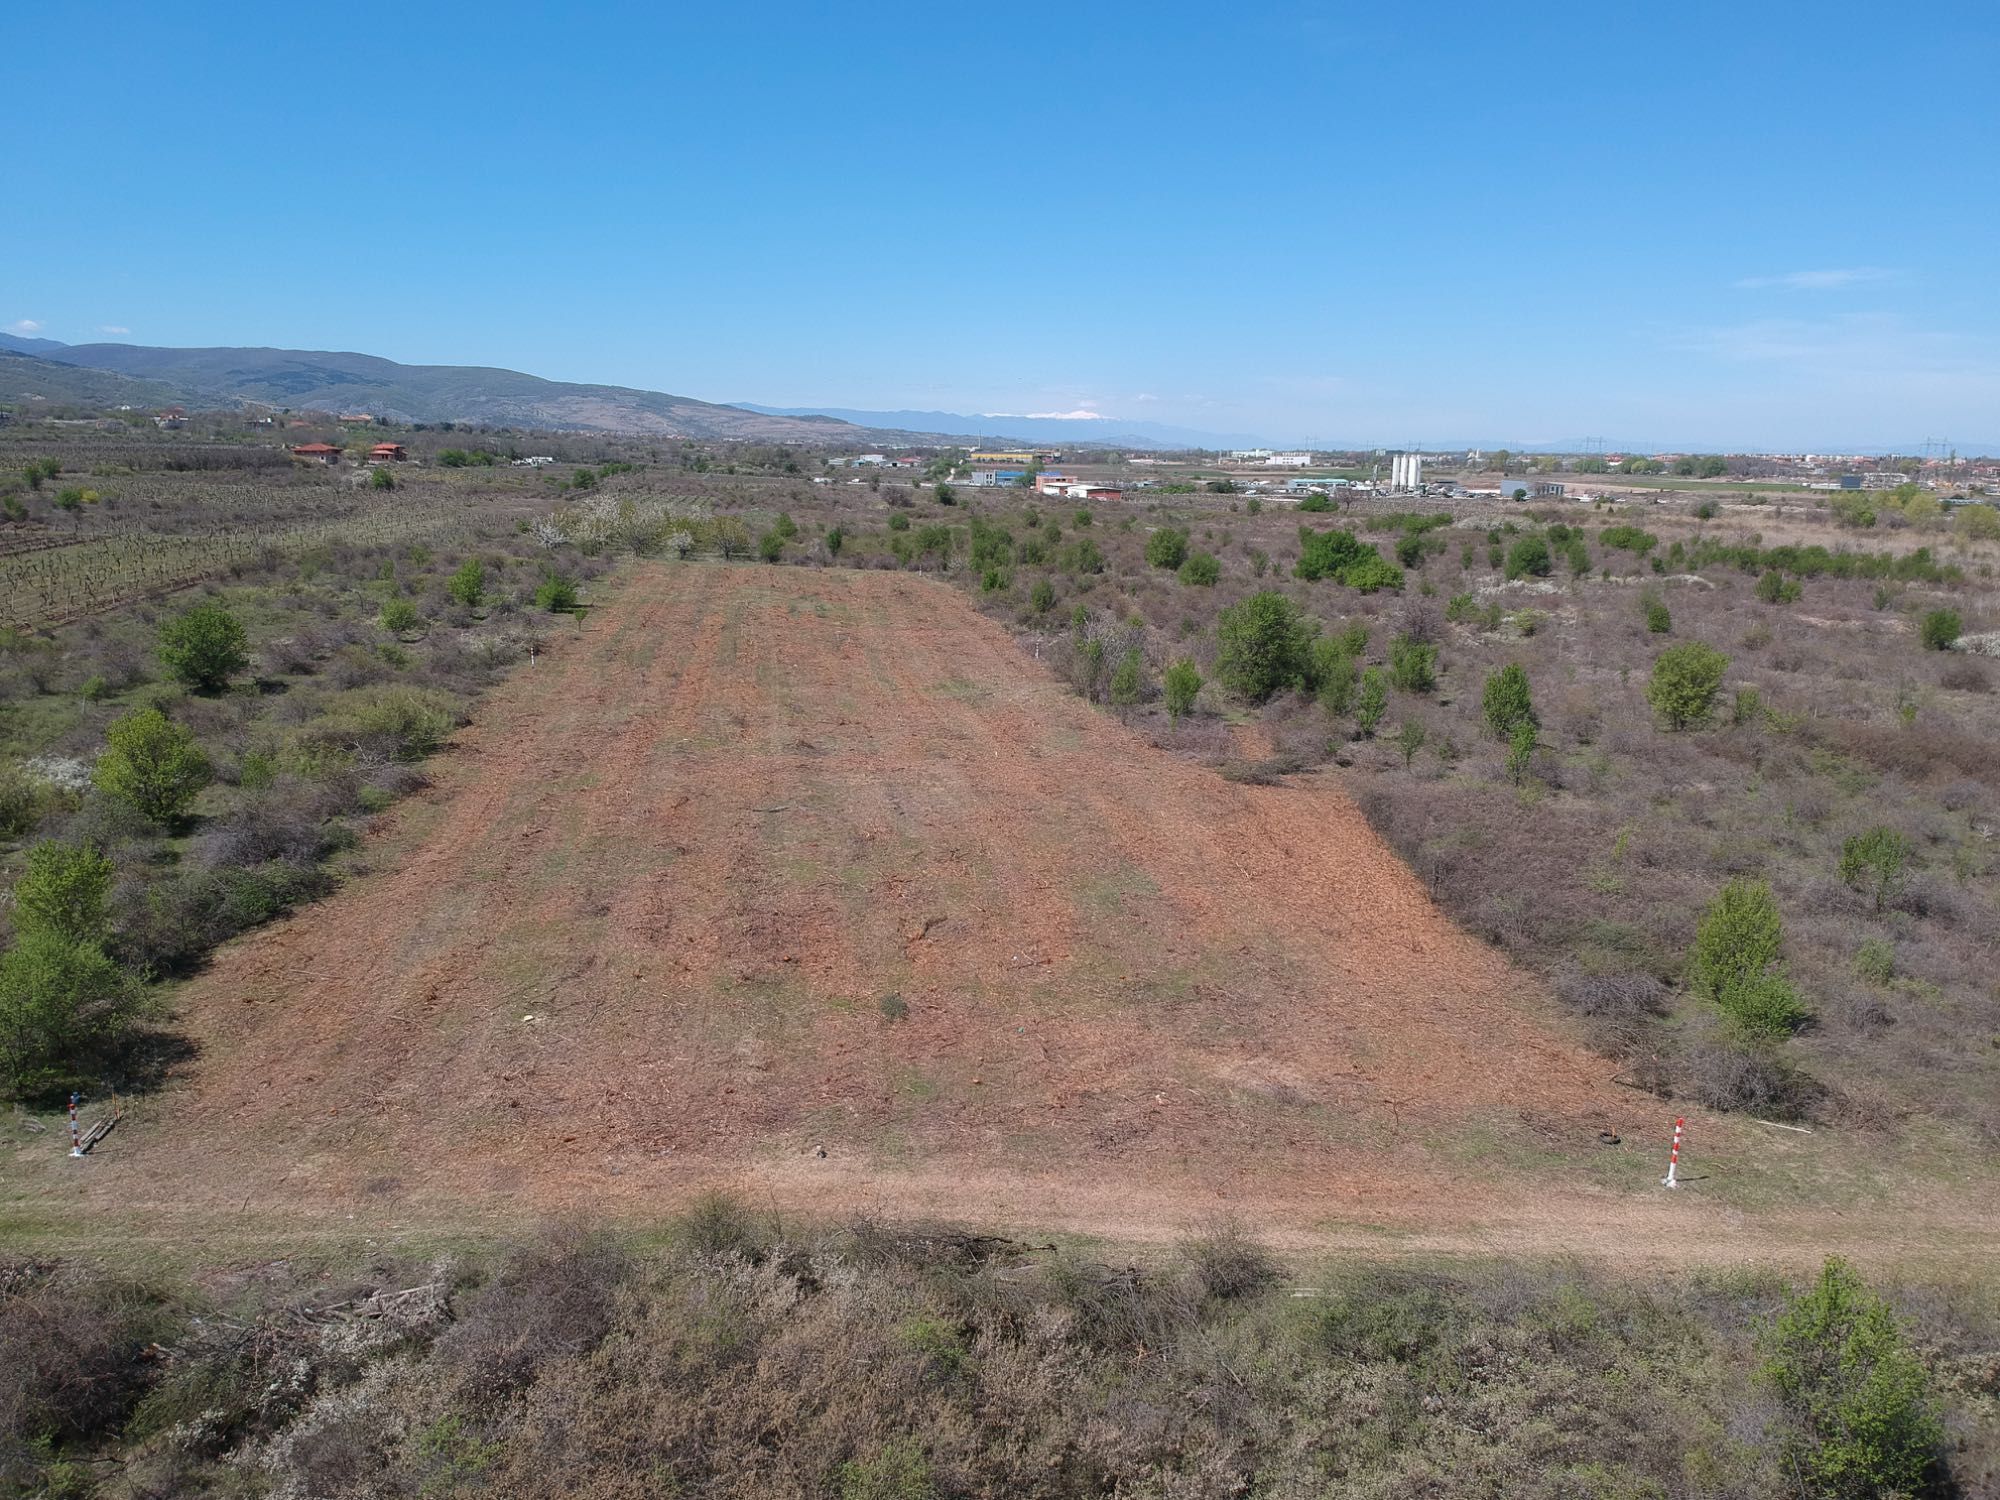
x,y
387,453
318,453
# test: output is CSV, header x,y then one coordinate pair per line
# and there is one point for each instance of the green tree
x,y
1374,700
1658,620
382,480
1167,548
1860,1398
1880,859
1940,629
1506,701
153,764
1042,597
63,889
63,1005
1735,963
732,537
1183,685
1201,570
946,495
1684,683
771,546
204,647
468,584
1265,645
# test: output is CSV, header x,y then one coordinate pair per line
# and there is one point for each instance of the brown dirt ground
x,y
637,939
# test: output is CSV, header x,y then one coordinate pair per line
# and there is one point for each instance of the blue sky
x,y
1716,224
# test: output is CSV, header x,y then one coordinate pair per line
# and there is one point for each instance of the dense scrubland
x,y
1761,874
742,1357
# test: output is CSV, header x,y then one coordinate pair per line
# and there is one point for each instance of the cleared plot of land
x,y
769,862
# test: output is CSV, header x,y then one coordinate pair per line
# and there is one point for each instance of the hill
x,y
345,381
28,379
1068,432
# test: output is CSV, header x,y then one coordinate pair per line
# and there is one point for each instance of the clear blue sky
x,y
1768,224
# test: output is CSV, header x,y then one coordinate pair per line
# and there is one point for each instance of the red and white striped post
x,y
1674,1159
75,1135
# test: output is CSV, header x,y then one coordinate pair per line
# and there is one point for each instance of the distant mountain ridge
x,y
1071,432
342,381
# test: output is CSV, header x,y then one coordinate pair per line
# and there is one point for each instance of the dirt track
x,y
640,936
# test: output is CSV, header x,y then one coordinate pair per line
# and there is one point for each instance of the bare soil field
x,y
812,886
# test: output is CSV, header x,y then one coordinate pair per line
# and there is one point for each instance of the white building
x,y
1406,471
1289,461
1251,455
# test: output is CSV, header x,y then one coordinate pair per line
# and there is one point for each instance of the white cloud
x,y
113,328
27,328
1817,281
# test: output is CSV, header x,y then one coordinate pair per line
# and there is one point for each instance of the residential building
x,y
317,453
387,453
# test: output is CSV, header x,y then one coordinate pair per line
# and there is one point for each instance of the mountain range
x,y
321,380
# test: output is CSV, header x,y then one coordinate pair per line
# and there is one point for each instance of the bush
x,y
64,1004
1345,558
1658,620
1082,556
1374,700
1202,570
1858,1396
400,616
557,594
390,723
1775,588
1880,858
1167,548
1529,557
62,890
204,648
1127,681
1042,596
1412,665
1506,701
1684,683
771,546
1265,646
1628,539
468,584
1735,962
1940,629
1183,684
152,764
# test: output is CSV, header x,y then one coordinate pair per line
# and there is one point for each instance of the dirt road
x,y
813,886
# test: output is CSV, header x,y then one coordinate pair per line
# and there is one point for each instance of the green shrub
x,y
1878,859
1082,556
1202,570
62,890
1529,557
1183,685
1506,702
1684,683
395,723
400,616
1167,548
1042,596
1127,681
1658,620
64,1005
771,546
468,584
1333,676
1412,665
204,647
1373,702
1940,629
1735,963
153,765
1522,742
1858,1396
1345,558
1265,646
1628,539
1775,588
898,521
1875,960
557,594
1315,504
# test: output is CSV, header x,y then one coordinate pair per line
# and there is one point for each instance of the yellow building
x,y
1023,459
